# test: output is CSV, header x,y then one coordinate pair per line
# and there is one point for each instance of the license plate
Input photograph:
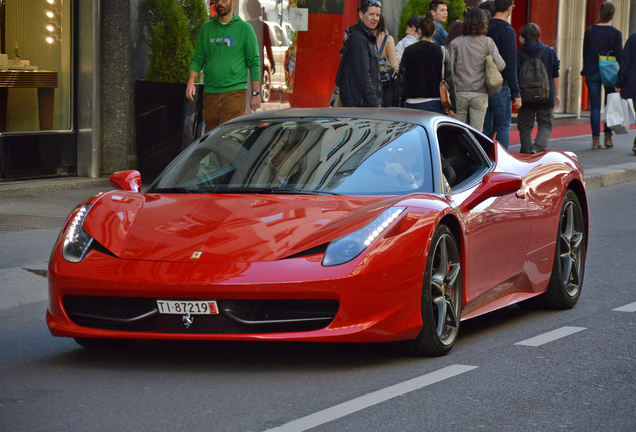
x,y
181,307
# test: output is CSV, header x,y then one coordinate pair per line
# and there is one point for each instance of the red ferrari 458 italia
x,y
324,225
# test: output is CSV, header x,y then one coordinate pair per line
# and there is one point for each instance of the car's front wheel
x,y
441,296
569,256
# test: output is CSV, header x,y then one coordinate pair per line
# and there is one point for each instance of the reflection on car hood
x,y
222,228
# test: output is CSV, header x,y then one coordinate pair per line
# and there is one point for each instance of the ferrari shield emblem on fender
x,y
196,255
187,320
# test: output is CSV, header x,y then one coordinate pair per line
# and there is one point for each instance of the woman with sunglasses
x,y
359,71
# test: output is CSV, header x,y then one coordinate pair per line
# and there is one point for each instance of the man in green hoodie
x,y
226,48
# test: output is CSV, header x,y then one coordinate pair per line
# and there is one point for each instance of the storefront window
x,y
35,65
276,37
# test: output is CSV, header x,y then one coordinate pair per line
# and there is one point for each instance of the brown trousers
x,y
221,107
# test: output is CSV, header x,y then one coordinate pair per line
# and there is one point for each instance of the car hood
x,y
222,228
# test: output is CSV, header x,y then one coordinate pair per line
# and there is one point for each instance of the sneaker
x,y
533,151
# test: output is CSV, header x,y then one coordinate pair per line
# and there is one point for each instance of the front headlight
x,y
77,242
350,246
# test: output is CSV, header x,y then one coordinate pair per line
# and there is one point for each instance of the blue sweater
x,y
607,39
552,65
505,38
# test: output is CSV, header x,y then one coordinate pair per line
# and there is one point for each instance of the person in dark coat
x,y
421,71
499,115
626,83
604,38
543,112
359,72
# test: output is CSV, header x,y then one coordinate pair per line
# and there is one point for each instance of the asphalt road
x,y
512,370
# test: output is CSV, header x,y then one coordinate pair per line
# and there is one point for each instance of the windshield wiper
x,y
274,190
302,191
176,190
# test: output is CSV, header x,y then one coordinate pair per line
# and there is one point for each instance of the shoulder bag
x,y
607,64
444,90
386,71
494,80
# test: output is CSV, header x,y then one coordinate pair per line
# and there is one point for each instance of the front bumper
x,y
372,299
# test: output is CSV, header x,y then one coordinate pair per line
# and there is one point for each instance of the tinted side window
x,y
462,160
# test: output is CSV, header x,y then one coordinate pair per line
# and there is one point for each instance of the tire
x,y
568,269
104,343
441,297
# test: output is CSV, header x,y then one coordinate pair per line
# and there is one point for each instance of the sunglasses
x,y
374,3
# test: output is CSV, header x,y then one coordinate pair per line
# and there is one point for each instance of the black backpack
x,y
534,81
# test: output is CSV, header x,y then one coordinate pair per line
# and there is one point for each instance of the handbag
x,y
444,90
494,80
607,65
386,71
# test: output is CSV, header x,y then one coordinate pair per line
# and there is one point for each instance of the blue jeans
x,y
593,84
434,106
499,116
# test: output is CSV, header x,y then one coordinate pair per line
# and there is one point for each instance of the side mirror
x,y
494,184
129,180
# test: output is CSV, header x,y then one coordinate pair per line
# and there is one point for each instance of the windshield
x,y
305,156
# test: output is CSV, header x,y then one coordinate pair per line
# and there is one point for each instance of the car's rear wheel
x,y
441,296
569,257
104,343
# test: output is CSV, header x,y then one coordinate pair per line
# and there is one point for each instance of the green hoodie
x,y
225,52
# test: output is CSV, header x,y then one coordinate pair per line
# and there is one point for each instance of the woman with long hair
x,y
600,39
454,31
421,71
468,57
359,71
388,57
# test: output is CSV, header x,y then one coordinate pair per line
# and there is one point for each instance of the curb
x,y
601,177
594,178
32,187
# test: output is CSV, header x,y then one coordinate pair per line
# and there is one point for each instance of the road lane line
x,y
627,308
551,336
346,408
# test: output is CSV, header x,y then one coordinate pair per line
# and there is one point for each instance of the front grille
x,y
112,313
235,317
281,310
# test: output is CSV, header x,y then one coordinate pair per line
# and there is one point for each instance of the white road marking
x,y
627,308
371,399
551,336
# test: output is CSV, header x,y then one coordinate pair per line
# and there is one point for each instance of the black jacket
x,y
505,38
359,71
627,74
421,72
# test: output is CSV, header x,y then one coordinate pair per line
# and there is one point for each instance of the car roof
x,y
405,115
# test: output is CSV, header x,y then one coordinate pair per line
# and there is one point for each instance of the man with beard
x,y
226,48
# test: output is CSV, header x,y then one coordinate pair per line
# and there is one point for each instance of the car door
x,y
498,228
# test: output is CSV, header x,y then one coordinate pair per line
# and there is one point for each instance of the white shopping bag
x,y
632,114
616,114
